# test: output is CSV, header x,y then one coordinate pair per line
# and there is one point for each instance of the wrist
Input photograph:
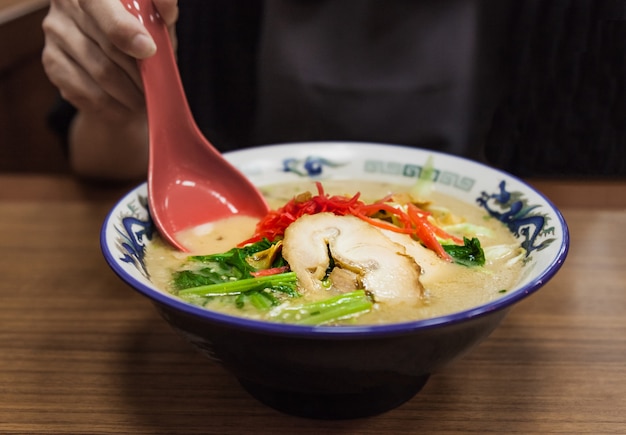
x,y
109,149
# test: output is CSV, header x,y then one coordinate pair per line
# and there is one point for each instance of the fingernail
x,y
143,46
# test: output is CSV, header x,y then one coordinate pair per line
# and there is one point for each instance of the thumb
x,y
120,27
168,9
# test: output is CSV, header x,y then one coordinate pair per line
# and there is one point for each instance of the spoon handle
x,y
155,70
189,182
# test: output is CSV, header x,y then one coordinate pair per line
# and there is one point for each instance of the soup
x,y
379,256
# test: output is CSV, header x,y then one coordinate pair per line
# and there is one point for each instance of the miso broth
x,y
447,287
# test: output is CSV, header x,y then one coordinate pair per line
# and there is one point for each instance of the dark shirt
x,y
401,71
564,107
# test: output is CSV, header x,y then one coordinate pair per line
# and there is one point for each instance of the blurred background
x,y
548,95
26,95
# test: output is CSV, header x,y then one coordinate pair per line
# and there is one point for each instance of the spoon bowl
x,y
189,182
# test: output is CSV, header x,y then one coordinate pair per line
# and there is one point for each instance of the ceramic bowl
x,y
349,371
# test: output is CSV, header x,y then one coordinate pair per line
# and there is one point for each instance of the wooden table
x,y
82,353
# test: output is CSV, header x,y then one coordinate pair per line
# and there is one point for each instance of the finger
x,y
67,25
125,62
168,9
120,82
65,43
120,27
77,87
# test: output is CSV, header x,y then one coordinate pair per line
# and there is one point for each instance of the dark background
x,y
554,108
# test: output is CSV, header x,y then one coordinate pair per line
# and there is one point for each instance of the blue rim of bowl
x,y
347,331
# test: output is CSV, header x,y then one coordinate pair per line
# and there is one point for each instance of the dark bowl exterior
x,y
332,377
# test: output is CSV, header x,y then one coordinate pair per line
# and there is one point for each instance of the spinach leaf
x,y
469,254
224,267
229,274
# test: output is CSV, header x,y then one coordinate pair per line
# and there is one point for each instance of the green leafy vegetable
x,y
228,266
283,282
261,300
231,274
468,254
328,310
211,274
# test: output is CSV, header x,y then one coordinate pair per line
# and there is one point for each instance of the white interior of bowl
x,y
538,222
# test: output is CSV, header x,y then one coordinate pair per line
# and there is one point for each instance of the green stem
x,y
261,300
328,310
239,286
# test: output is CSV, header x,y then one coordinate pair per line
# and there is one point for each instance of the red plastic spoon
x,y
189,181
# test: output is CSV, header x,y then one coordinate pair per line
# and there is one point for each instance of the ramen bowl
x,y
339,372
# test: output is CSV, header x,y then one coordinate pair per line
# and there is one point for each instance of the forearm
x,y
109,150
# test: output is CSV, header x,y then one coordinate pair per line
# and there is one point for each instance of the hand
x,y
90,53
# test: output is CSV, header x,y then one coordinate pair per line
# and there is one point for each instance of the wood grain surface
x,y
81,353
